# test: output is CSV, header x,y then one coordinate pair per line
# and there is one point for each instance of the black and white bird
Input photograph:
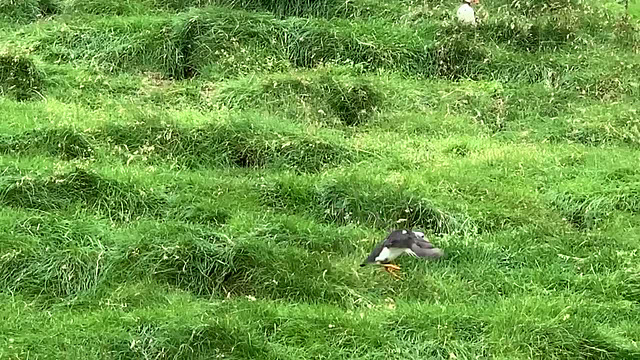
x,y
400,242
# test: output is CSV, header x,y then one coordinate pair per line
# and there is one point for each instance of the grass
x,y
201,179
26,11
79,187
20,77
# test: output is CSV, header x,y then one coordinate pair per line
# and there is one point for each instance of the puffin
x,y
399,242
465,12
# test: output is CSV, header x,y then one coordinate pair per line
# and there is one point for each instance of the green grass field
x,y
201,179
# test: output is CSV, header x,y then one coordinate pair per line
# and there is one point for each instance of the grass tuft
x,y
53,258
457,54
299,8
533,8
583,212
351,101
25,11
627,34
210,263
588,205
107,7
64,142
20,78
241,143
115,44
247,142
205,213
600,127
116,200
630,285
196,261
546,33
212,36
349,201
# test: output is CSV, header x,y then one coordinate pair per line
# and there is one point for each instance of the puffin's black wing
x,y
389,241
424,244
374,254
430,252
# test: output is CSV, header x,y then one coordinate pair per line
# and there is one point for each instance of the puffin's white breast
x,y
466,14
388,254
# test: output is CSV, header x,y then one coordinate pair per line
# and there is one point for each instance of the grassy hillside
x,y
198,179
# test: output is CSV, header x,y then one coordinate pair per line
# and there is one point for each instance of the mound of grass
x,y
351,201
53,258
458,55
117,200
630,286
587,206
559,338
108,7
547,33
371,45
353,104
198,36
281,9
114,44
20,78
506,110
352,101
57,258
248,141
301,276
533,8
616,83
205,213
597,125
218,224
191,44
448,51
35,269
589,202
209,42
211,263
299,8
582,211
64,142
304,232
627,34
243,143
24,11
197,261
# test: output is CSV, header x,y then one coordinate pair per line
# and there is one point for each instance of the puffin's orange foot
x,y
391,266
391,269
